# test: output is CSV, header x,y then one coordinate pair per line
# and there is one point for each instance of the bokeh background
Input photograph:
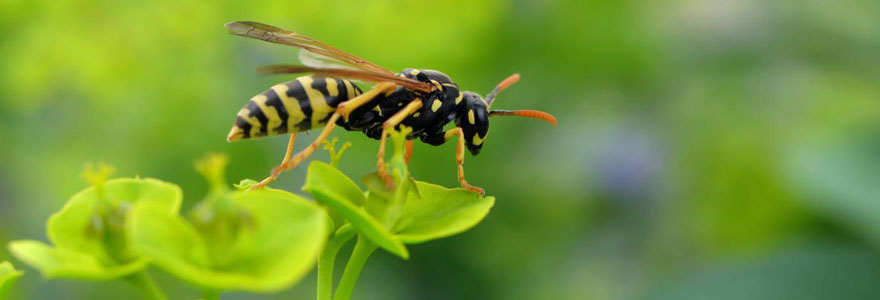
x,y
707,149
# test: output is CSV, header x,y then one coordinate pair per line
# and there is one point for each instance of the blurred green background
x,y
706,149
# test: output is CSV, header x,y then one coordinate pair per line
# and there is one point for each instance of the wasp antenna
x,y
507,82
528,113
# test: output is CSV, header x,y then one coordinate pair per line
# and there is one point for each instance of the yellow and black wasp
x,y
424,100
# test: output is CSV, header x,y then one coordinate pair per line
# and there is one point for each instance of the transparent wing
x,y
277,35
315,60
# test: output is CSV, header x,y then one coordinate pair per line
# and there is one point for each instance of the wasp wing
x,y
277,35
347,73
314,60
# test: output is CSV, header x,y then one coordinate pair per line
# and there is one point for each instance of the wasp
x,y
423,100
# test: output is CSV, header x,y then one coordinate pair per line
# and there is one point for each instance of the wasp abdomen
x,y
294,106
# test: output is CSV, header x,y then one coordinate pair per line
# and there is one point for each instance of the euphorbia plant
x,y
259,241
8,275
89,237
412,212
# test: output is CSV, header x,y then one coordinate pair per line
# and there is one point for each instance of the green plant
x,y
413,212
257,241
8,275
88,234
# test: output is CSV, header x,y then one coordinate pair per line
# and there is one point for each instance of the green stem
x,y
328,259
145,284
362,251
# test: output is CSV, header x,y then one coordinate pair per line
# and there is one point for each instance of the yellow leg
x,y
459,159
408,151
394,120
302,155
347,107
275,171
289,149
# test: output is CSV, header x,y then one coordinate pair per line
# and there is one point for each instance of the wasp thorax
x,y
425,75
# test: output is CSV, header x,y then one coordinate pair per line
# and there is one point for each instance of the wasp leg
x,y
275,171
302,155
408,151
289,150
394,120
345,108
459,159
342,110
286,155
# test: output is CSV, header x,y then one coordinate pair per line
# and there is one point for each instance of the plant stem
x,y
145,284
328,259
362,251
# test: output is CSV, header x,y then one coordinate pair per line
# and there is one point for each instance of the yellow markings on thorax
x,y
436,105
414,72
331,87
437,84
320,108
458,99
471,117
377,109
294,112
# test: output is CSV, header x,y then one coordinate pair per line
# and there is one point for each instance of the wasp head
x,y
474,113
473,118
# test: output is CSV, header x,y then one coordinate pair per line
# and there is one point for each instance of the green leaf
x,y
432,213
8,275
331,187
278,248
429,212
88,233
55,262
68,227
378,199
440,212
323,176
384,204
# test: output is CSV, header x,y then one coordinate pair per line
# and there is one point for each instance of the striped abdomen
x,y
294,106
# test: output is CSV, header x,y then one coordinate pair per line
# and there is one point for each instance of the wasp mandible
x,y
424,100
